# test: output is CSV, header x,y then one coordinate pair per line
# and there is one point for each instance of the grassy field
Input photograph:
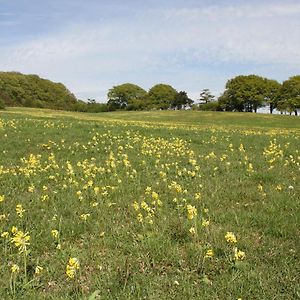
x,y
149,205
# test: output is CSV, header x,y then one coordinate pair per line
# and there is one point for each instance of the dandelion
x,y
230,237
72,267
191,211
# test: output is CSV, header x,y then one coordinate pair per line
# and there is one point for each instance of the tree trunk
x,y
271,108
296,112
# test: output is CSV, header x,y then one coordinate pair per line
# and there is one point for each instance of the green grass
x,y
96,166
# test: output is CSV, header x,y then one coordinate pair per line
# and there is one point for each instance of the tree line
x,y
242,93
17,89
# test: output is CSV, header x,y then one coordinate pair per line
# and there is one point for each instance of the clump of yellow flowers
x,y
20,240
191,211
230,237
72,267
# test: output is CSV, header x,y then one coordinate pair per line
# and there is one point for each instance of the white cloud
x,y
92,56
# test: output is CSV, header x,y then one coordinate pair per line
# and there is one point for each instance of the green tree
x,y
244,93
181,100
162,96
290,95
206,96
17,89
272,93
121,95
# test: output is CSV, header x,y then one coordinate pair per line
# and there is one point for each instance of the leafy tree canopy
x,y
181,100
162,95
121,95
17,89
290,95
244,93
206,96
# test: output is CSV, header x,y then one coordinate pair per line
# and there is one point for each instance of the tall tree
x,y
206,96
181,100
17,89
121,95
162,95
244,93
290,95
272,93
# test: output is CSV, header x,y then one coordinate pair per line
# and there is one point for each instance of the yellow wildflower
x,y
20,210
4,234
72,267
230,237
21,240
209,253
54,233
15,268
191,211
192,230
84,217
38,270
205,223
238,254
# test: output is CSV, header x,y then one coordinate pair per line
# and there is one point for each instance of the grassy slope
x,y
163,260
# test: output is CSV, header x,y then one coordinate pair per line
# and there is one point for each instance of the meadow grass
x,y
149,205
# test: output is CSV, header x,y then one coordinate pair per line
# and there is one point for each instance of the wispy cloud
x,y
164,44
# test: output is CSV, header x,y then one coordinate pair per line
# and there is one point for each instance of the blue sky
x,y
92,45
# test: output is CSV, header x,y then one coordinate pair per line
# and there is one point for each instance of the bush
x,y
210,106
2,104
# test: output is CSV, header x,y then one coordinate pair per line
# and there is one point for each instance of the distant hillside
x,y
17,89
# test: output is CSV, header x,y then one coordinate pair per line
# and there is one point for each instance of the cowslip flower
x,y
205,223
2,198
21,240
54,233
238,254
230,237
84,217
20,210
192,230
191,211
15,269
72,267
209,253
5,234
38,270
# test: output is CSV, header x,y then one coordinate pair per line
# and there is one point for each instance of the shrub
x,y
2,104
210,106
